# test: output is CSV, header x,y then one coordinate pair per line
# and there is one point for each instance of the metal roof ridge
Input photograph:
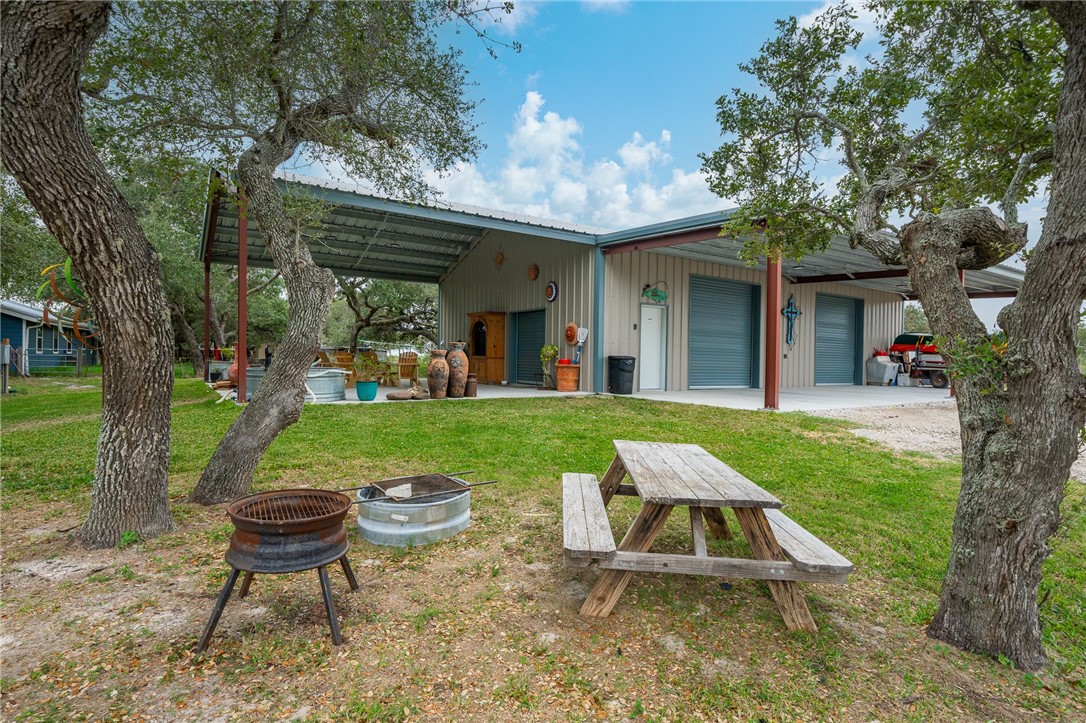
x,y
441,204
666,228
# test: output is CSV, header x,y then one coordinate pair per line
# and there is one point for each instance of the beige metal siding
x,y
478,284
627,274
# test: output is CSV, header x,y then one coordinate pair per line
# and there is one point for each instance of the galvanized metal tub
x,y
412,524
253,377
324,385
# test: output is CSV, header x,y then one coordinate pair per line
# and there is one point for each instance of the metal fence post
x,y
5,360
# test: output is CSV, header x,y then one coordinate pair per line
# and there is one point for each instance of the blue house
x,y
37,347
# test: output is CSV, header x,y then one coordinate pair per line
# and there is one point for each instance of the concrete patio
x,y
805,399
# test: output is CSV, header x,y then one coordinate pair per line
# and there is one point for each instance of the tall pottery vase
x,y
458,369
437,374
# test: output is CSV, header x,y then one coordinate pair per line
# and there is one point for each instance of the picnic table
x,y
666,476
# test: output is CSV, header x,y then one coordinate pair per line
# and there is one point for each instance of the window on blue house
x,y
39,333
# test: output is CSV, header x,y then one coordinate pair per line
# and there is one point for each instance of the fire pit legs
x,y
217,612
329,607
326,591
348,572
245,582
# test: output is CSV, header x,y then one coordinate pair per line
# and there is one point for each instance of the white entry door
x,y
653,340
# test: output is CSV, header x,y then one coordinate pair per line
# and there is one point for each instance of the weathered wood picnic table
x,y
665,476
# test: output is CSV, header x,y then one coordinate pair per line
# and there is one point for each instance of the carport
x,y
366,234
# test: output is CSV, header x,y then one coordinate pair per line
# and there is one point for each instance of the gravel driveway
x,y
931,428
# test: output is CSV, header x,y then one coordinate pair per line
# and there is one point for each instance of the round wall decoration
x,y
571,332
499,259
552,291
533,272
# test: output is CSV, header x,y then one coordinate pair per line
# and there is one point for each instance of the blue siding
x,y
11,328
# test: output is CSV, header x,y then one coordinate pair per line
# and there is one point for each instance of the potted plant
x,y
546,356
365,376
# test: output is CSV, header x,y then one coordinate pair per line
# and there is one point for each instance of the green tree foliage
x,y
938,119
26,247
361,84
915,319
388,311
254,86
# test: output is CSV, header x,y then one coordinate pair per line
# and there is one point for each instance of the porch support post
x,y
242,355
212,222
207,320
773,332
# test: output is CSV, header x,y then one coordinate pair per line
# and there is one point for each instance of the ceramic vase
x,y
458,369
471,388
437,374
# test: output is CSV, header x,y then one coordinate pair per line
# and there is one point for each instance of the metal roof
x,y
369,234
34,313
696,238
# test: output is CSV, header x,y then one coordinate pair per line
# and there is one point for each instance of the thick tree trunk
x,y
1019,443
46,147
196,349
310,289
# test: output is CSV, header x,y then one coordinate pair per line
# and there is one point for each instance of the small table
x,y
665,476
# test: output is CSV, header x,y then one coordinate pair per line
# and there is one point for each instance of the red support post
x,y
213,221
773,333
242,355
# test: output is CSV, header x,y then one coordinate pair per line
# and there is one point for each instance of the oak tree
x,y
46,147
258,85
967,106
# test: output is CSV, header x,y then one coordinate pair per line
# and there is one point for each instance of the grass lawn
x,y
484,626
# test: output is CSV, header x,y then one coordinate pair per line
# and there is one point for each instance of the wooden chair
x,y
409,367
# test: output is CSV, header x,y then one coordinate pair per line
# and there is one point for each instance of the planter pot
x,y
458,369
568,377
437,374
471,388
367,391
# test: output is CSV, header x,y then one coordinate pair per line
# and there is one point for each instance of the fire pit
x,y
286,531
414,510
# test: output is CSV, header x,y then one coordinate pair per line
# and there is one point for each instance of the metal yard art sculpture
x,y
791,312
67,305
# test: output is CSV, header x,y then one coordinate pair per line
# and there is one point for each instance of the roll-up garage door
x,y
721,332
837,333
530,329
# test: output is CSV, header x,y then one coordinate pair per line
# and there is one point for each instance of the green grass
x,y
890,514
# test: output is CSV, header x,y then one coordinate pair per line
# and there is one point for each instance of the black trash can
x,y
620,371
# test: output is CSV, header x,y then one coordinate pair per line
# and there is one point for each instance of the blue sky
x,y
600,118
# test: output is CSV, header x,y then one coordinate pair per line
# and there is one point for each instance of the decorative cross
x,y
791,313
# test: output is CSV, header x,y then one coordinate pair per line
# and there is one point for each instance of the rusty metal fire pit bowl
x,y
286,531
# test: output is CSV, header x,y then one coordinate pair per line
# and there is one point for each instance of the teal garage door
x,y
838,329
722,333
530,329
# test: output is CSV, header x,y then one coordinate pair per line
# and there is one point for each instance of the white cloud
x,y
545,174
523,14
605,6
865,20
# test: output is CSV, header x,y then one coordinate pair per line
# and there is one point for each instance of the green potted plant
x,y
546,356
365,376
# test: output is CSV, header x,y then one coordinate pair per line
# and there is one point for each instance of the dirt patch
x,y
930,428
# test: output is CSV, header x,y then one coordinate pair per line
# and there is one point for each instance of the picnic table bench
x,y
665,476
